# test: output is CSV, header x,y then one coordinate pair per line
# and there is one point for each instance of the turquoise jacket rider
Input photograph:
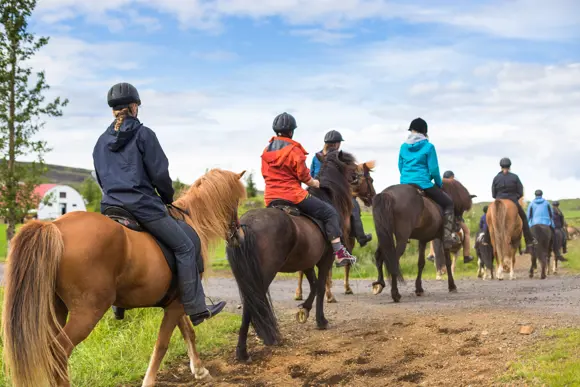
x,y
418,162
540,212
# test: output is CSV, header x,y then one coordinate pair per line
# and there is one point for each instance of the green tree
x,y
179,187
22,104
91,192
251,190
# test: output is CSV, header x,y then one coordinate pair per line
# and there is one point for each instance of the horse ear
x,y
472,196
370,164
241,174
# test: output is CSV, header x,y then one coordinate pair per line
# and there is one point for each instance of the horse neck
x,y
340,195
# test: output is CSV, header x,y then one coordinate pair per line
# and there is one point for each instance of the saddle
x,y
291,209
125,218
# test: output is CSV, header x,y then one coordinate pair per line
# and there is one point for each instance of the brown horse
x,y
82,263
505,232
270,241
403,210
364,189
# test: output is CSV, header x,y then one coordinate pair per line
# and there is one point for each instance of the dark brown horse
x,y
364,189
84,262
269,241
543,250
404,212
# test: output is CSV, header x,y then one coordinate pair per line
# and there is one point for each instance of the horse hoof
x,y
331,300
298,298
454,290
348,292
419,293
397,298
377,289
202,373
323,326
302,315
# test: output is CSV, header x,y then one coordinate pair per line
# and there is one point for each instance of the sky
x,y
492,79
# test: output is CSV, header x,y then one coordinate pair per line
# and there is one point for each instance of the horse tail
x,y
501,236
243,258
384,218
32,354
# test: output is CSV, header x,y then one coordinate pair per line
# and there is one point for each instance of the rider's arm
x,y
433,165
302,171
520,188
493,188
156,164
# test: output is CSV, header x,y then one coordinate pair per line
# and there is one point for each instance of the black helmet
x,y
448,175
284,123
121,95
485,209
333,136
505,163
555,203
418,125
538,192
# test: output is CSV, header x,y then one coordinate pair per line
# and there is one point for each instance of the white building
x,y
57,200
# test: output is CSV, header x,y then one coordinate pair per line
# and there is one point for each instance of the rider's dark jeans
x,y
325,212
440,197
168,231
356,221
526,227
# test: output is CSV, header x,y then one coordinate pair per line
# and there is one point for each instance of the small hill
x,y
59,174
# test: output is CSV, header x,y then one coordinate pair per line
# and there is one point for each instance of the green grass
x,y
119,351
553,362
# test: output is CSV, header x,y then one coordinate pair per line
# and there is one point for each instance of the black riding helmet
x,y
332,137
448,175
555,203
505,163
121,95
538,192
284,123
418,125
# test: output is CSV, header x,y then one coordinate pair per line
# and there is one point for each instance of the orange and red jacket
x,y
284,168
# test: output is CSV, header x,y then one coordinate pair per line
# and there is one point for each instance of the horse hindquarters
x,y
242,254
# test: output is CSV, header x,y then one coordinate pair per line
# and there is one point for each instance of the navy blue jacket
x,y
507,186
130,165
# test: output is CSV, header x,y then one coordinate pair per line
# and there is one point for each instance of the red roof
x,y
42,189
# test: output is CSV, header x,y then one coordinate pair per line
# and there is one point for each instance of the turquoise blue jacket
x,y
316,164
418,162
540,212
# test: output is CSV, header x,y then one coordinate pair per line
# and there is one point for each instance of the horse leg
x,y
513,266
188,333
306,306
421,265
323,268
171,316
242,349
402,242
543,264
379,284
77,328
347,289
328,288
298,294
450,280
532,266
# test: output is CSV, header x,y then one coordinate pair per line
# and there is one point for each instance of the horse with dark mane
x,y
364,189
272,240
84,262
402,212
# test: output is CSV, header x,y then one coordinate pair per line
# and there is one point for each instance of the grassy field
x,y
119,351
554,361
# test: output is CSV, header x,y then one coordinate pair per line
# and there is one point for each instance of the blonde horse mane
x,y
212,200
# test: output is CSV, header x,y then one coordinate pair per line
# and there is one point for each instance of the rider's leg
x,y
327,214
441,198
466,243
168,231
528,237
357,225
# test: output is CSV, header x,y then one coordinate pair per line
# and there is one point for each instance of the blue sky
x,y
492,79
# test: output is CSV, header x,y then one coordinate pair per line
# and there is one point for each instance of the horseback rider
x,y
418,165
560,224
483,220
507,185
130,166
284,168
540,212
332,142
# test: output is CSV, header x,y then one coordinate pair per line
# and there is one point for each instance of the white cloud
x,y
319,35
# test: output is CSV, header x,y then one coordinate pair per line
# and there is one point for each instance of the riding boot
x,y
449,236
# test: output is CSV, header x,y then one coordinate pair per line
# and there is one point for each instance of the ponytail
x,y
120,116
